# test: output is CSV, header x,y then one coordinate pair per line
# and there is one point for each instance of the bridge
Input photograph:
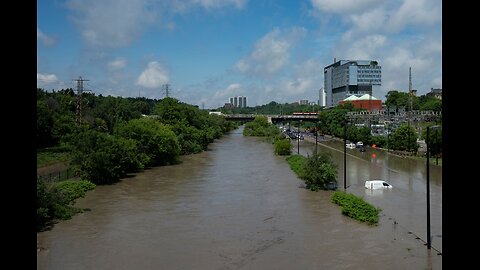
x,y
271,118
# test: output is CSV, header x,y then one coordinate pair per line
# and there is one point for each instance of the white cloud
x,y
47,78
116,64
415,12
111,23
344,6
369,21
230,91
183,6
154,76
360,49
305,80
395,69
242,65
47,41
211,4
271,53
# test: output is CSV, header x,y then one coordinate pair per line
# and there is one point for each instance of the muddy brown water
x,y
238,206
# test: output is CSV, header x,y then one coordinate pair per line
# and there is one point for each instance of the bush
x,y
356,208
261,128
157,143
55,201
104,158
318,171
283,147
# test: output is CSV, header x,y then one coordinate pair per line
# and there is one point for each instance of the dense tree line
x,y
422,103
114,137
272,108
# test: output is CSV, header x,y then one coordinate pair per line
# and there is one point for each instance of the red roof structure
x,y
364,102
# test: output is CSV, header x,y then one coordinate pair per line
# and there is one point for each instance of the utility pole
x,y
80,91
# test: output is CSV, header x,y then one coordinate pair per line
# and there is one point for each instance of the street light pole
x,y
388,132
429,240
345,156
428,190
316,136
298,139
436,146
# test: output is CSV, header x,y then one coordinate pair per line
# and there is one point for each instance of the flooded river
x,y
238,206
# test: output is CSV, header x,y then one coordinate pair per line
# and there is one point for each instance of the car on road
x,y
359,144
377,184
350,145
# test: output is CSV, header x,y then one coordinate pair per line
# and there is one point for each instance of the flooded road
x,y
406,203
236,206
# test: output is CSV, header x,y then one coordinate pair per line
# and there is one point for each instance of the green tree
x,y
283,147
156,141
428,103
404,138
401,99
319,170
104,158
44,125
261,128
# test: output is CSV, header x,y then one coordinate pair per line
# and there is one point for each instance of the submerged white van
x,y
377,184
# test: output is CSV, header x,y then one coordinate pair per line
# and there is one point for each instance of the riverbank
x,y
235,206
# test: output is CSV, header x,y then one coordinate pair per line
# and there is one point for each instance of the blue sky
x,y
210,50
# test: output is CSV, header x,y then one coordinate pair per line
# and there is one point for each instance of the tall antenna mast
x,y
410,99
80,91
410,103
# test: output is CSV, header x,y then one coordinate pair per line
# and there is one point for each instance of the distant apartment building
x,y
303,102
345,78
238,101
436,93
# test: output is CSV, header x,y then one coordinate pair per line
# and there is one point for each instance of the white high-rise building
x,y
238,101
345,78
321,97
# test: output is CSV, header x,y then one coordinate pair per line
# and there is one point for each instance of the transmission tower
x,y
80,91
166,89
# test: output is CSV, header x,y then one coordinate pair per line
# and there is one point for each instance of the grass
x,y
46,157
432,160
296,164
